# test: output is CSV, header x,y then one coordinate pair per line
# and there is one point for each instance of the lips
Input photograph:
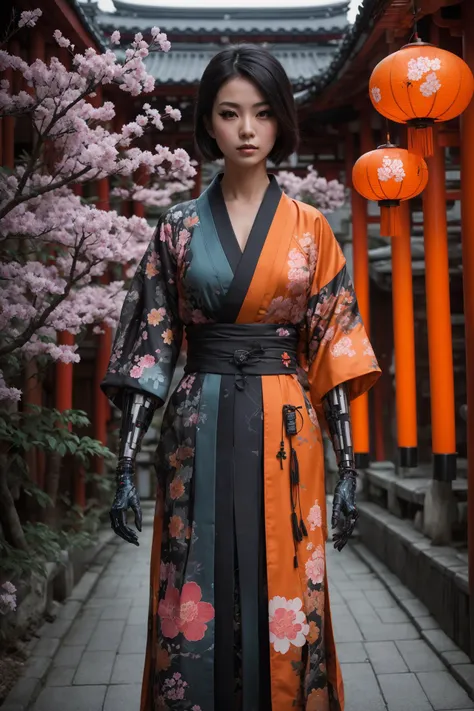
x,y
247,148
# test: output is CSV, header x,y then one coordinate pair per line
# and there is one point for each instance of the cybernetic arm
x,y
137,414
337,413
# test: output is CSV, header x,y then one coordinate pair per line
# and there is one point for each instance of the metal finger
x,y
128,535
336,513
340,539
126,532
117,527
115,521
137,510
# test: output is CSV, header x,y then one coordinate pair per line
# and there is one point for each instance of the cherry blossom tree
x,y
313,189
58,248
55,245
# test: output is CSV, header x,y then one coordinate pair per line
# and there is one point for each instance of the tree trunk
x,y
9,519
52,478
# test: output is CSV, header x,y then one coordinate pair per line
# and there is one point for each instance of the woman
x,y
239,612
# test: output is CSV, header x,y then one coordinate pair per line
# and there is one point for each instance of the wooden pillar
x,y
64,401
64,375
138,209
360,406
360,255
439,511
378,415
467,231
404,342
37,46
102,407
438,314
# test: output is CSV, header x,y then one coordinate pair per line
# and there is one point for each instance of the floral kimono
x,y
239,611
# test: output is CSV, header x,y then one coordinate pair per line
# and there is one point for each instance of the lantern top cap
x,y
389,144
418,43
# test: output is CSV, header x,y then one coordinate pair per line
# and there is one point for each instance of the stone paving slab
x,y
403,692
452,659
387,662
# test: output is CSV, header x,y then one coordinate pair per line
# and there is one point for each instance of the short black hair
x,y
260,67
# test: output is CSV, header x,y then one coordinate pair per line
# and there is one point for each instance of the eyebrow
x,y
237,106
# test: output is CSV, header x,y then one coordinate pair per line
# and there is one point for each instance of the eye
x,y
227,114
266,113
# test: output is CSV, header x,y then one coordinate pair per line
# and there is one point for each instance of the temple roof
x,y
314,20
186,62
304,39
374,20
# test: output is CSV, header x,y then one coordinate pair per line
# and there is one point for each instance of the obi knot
x,y
242,357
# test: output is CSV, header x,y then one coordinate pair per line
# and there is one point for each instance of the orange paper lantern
x,y
389,175
421,85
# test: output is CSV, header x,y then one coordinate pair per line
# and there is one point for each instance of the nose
x,y
246,128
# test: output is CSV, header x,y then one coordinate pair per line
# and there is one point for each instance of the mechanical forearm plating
x,y
137,415
337,413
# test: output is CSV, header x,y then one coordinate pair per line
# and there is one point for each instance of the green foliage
x,y
49,430
44,546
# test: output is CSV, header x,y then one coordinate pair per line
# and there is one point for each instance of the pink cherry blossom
x,y
29,18
56,288
175,114
7,598
327,196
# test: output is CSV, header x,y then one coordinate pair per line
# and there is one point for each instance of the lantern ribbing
x,y
420,85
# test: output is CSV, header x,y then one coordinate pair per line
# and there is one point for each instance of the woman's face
x,y
242,123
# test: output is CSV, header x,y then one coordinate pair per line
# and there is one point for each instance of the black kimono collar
x,y
243,263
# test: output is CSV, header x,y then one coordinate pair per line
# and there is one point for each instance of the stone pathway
x,y
386,665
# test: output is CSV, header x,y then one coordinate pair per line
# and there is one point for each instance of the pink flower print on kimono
x,y
288,625
166,236
174,688
185,613
298,272
343,347
156,316
151,269
146,361
286,309
315,566
314,517
308,245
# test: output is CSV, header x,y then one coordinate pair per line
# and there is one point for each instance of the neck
x,y
244,184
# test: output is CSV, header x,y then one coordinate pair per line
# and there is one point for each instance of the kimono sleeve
x,y
149,333
337,347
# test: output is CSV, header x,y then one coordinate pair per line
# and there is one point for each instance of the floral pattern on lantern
x,y
391,168
376,94
421,85
389,175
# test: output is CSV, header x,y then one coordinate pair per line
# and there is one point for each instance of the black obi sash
x,y
241,349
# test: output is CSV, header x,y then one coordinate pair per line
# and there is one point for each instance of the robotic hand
x,y
126,497
137,415
344,511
